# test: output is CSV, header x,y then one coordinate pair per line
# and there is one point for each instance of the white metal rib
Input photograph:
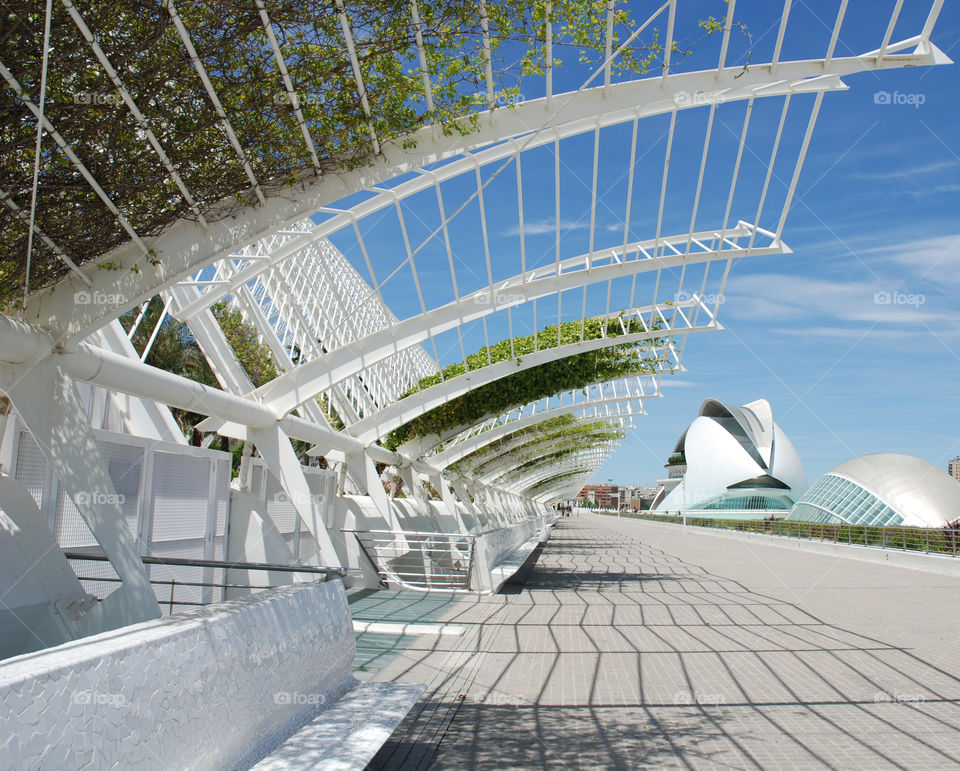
x,y
214,99
422,54
780,33
287,82
74,159
357,76
134,110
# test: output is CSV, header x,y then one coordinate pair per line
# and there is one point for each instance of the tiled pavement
x,y
636,645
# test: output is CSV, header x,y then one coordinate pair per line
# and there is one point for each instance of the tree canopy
x,y
142,42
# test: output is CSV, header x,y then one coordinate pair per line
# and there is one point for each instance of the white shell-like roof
x,y
924,495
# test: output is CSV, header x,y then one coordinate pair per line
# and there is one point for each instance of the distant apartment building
x,y
953,468
604,496
619,496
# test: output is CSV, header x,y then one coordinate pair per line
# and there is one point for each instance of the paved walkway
x,y
635,645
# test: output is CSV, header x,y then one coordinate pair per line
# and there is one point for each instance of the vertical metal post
x,y
173,587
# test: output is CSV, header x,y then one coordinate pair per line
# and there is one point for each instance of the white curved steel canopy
x,y
369,286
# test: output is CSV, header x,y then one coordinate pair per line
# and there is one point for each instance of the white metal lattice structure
x,y
358,284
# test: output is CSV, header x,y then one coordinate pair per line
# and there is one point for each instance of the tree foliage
x,y
141,42
566,432
530,385
175,349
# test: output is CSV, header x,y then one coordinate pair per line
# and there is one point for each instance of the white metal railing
x,y
420,560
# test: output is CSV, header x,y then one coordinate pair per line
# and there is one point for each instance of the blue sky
x,y
854,338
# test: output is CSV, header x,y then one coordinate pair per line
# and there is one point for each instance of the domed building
x,y
882,489
733,458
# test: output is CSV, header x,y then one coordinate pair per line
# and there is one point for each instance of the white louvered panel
x,y
69,528
124,464
223,498
279,508
31,467
181,486
308,548
323,486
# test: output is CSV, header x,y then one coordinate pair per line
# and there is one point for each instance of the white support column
x,y
443,487
47,401
275,448
363,469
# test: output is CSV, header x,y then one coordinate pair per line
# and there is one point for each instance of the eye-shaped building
x,y
733,458
882,489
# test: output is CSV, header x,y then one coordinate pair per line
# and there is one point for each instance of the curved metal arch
x,y
590,393
507,462
592,459
186,247
292,388
400,412
553,493
459,450
508,452
505,477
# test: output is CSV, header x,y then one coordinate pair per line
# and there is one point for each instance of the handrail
x,y
201,563
937,540
411,532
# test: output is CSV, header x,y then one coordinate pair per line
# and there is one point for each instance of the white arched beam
x,y
509,446
419,446
587,461
461,449
185,247
592,458
562,488
292,388
403,411
507,472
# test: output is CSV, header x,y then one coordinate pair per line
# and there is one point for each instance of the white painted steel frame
x,y
260,257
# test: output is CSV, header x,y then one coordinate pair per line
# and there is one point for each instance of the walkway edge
x,y
929,563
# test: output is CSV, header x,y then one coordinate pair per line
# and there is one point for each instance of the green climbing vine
x,y
529,385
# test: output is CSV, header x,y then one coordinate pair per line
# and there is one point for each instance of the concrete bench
x,y
263,679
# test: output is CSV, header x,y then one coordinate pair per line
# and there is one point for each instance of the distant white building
x,y
733,458
882,489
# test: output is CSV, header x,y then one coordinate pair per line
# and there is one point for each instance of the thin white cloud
x,y
541,227
848,333
769,297
909,173
671,383
935,259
